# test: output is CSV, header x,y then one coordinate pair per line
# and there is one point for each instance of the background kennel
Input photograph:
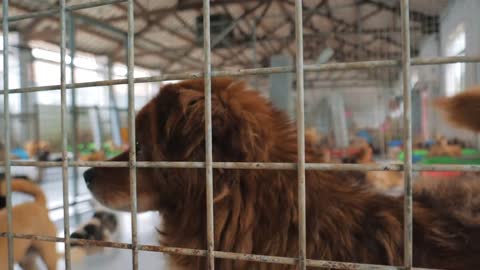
x,y
306,56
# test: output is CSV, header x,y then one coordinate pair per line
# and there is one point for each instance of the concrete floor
x,y
108,258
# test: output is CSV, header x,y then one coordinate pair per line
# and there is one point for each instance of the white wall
x,y
364,102
466,12
458,11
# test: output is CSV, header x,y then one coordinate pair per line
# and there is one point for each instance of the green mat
x,y
469,157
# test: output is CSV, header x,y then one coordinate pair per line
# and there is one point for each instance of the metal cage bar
x,y
261,71
207,74
302,219
301,166
131,131
407,136
64,126
388,166
73,95
6,115
216,254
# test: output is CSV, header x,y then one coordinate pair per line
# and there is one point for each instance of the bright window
x,y
455,73
88,68
13,72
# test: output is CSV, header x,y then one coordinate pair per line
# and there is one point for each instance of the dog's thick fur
x,y
28,218
256,211
463,109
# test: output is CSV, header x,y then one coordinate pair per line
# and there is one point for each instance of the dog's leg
x,y
48,252
29,262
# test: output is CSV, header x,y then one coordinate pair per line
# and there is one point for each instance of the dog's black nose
x,y
89,175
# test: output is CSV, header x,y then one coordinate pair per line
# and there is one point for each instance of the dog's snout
x,y
89,176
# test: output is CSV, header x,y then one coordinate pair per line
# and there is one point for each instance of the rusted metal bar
x,y
300,115
204,253
207,75
407,137
131,130
63,127
389,166
6,119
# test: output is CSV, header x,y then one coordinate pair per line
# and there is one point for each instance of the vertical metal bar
x,y
73,106
407,133
254,51
302,235
207,69
131,132
63,117
37,122
6,114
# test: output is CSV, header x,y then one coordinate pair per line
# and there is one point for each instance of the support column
x,y
114,115
339,120
281,85
27,100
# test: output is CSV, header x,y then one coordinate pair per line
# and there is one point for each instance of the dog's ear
x,y
237,117
180,118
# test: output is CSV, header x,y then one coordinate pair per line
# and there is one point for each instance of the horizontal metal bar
x,y
343,265
258,71
217,254
201,252
55,11
390,166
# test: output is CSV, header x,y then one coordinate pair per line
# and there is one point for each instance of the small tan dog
x,y
442,148
34,148
95,156
381,180
28,218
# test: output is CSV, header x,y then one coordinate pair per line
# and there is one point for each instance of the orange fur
x,y
463,109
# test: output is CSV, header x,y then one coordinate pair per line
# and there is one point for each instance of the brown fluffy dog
x,y
28,218
256,211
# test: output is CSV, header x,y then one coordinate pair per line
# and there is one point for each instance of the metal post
x,y
131,131
114,115
63,93
73,106
381,103
208,134
96,126
6,114
407,136
37,122
302,235
25,61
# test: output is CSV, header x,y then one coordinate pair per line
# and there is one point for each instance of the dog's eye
x,y
138,147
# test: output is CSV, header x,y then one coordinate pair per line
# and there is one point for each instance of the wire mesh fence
x,y
401,60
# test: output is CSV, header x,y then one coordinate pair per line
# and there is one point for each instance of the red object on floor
x,y
441,174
